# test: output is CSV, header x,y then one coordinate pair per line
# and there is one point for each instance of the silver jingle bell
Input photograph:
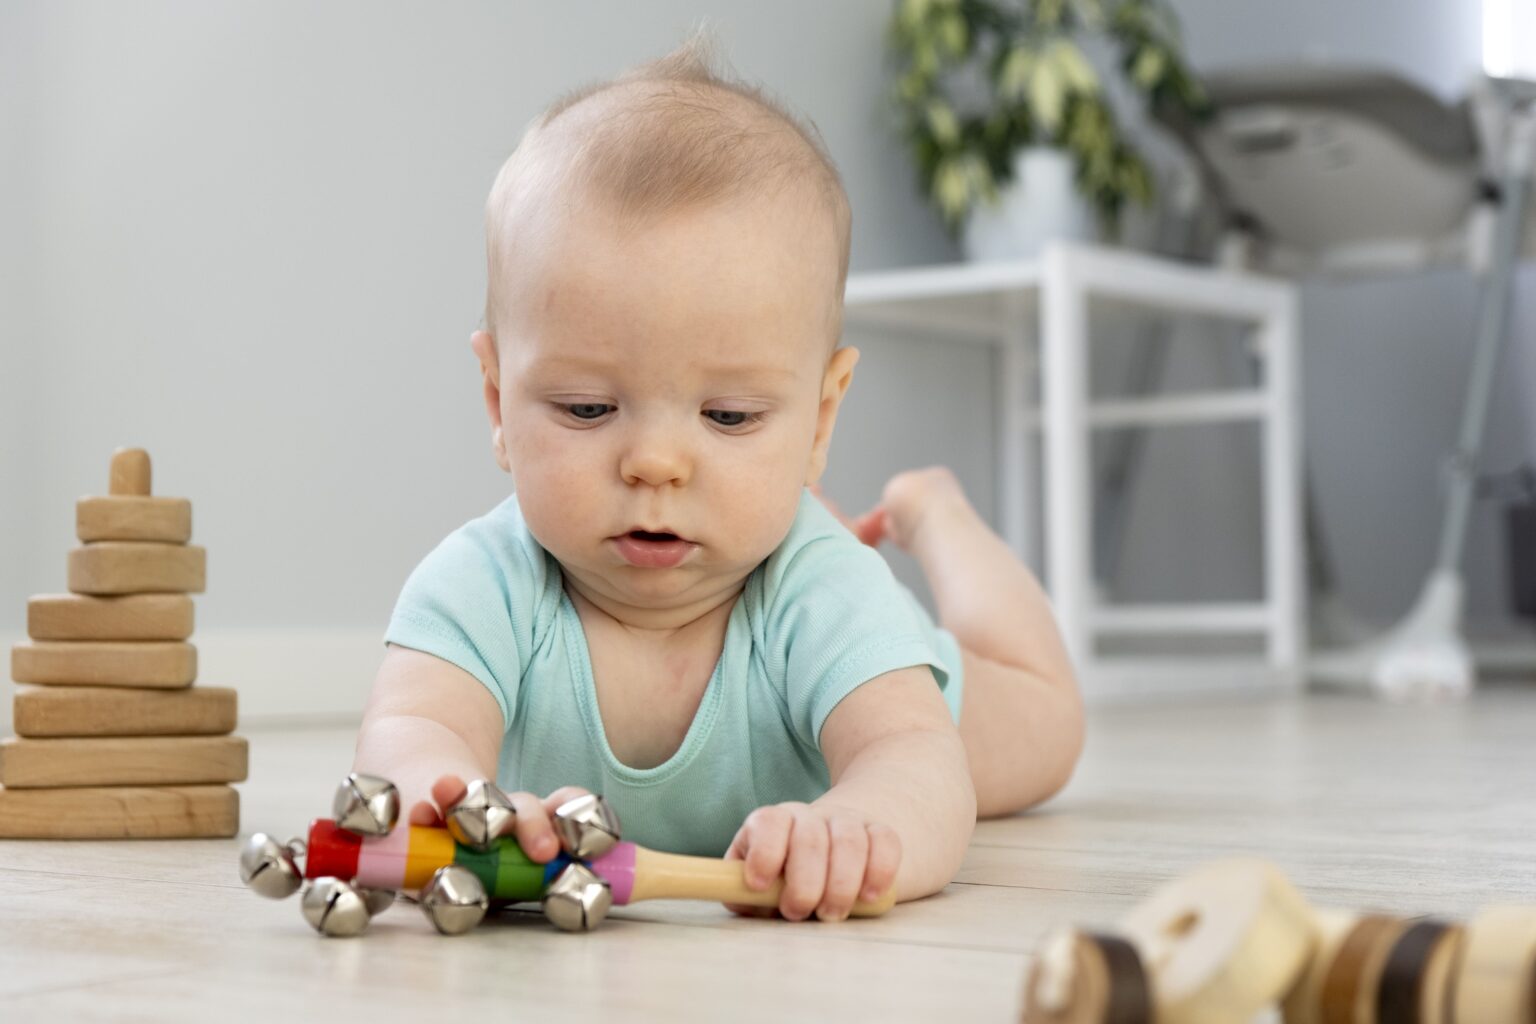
x,y
578,899
334,907
484,814
268,868
454,900
588,827
366,805
377,900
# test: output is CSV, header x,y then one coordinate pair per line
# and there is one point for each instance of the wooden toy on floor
x,y
1232,940
360,852
114,741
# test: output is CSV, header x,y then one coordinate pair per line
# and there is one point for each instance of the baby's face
x,y
671,378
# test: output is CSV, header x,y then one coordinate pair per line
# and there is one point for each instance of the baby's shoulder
x,y
819,562
491,557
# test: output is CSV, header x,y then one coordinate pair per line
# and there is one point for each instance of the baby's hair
x,y
692,135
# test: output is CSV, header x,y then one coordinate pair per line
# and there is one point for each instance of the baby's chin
x,y
630,593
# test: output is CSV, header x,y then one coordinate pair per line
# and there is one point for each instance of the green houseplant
x,y
1031,85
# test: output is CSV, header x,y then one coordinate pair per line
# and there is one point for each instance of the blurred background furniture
x,y
1346,171
1036,316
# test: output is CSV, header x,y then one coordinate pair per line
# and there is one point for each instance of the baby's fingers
x,y
534,832
845,868
884,860
761,843
425,814
764,845
561,795
447,791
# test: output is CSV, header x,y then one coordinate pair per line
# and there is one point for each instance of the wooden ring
x,y
1401,992
1347,976
1130,995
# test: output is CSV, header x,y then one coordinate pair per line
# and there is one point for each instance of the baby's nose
x,y
656,461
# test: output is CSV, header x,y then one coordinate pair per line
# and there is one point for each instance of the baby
x,y
664,611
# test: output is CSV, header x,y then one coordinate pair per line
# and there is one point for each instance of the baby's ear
x,y
834,386
484,347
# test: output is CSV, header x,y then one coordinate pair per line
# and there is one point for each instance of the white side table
x,y
1042,307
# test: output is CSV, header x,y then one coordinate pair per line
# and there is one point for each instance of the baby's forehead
x,y
647,147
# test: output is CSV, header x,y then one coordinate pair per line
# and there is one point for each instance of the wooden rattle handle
x,y
675,876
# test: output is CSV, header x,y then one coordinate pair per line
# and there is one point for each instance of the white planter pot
x,y
1040,205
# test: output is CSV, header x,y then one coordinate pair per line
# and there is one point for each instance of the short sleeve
x,y
837,618
474,602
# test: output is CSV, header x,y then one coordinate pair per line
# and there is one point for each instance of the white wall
x,y
247,237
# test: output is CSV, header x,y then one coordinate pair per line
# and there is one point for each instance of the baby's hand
x,y
829,857
534,831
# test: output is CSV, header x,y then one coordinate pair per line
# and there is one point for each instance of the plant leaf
x,y
1046,95
943,123
1013,78
1149,66
1074,66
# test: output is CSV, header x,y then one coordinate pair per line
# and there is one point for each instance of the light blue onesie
x,y
821,615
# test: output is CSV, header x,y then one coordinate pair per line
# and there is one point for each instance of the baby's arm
x,y
902,806
429,727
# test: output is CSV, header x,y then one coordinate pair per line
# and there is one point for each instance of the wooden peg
x,y
129,512
130,472
1223,942
125,617
134,567
120,812
122,761
161,665
50,711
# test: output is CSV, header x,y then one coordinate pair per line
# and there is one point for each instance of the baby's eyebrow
x,y
713,371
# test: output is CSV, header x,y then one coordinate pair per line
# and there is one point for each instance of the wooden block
x,y
122,761
134,518
112,711
162,665
135,567
129,617
120,812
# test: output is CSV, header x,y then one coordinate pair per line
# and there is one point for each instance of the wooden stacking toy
x,y
1233,940
113,741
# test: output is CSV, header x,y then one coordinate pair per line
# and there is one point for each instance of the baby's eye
x,y
588,410
732,417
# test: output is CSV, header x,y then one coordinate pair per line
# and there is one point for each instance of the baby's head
x,y
667,254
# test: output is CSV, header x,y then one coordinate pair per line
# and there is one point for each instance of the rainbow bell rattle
x,y
356,862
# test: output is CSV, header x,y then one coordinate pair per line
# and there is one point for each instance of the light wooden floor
x,y
1412,809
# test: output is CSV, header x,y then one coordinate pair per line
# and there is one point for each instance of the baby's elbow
x,y
1068,750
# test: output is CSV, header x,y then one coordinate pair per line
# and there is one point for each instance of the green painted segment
x,y
517,877
482,864
504,870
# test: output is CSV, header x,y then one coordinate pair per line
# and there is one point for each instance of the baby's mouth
x,y
647,535
652,549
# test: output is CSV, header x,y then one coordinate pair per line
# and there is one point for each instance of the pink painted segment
x,y
382,860
618,867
